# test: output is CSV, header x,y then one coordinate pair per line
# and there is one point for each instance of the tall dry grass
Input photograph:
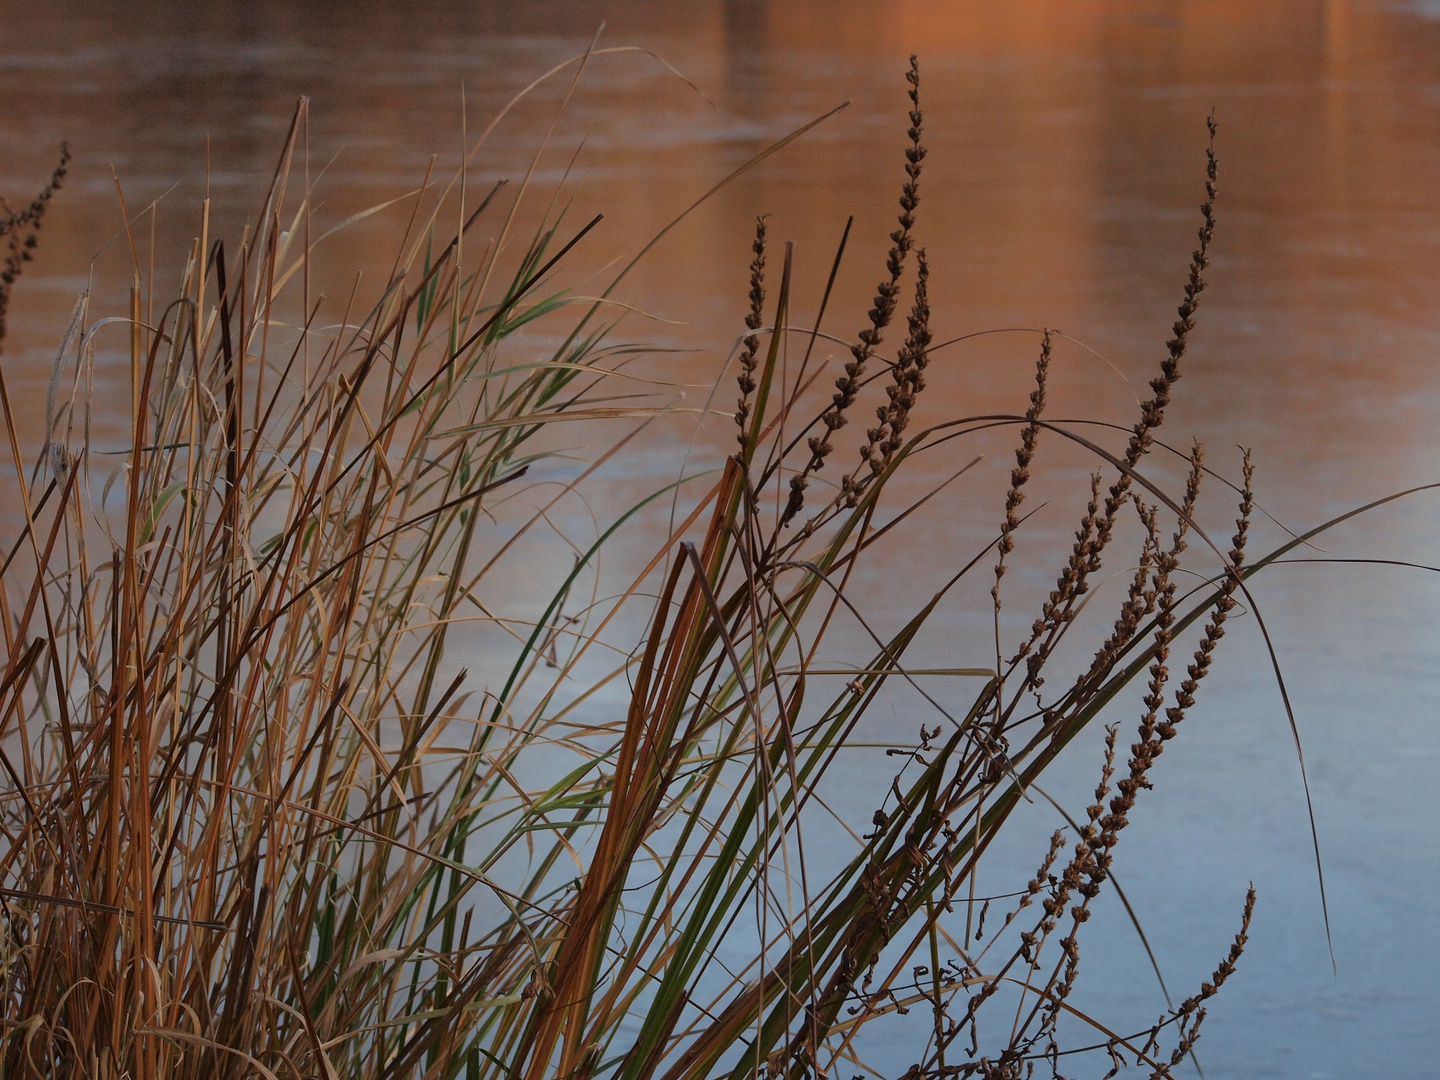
x,y
256,823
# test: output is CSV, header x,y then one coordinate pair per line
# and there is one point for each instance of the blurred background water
x,y
1066,154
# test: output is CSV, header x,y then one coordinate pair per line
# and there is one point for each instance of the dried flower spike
x,y
749,355
847,387
1024,455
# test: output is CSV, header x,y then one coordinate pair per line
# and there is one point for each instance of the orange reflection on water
x,y
1065,165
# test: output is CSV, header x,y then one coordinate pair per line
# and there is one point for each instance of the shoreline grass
x,y
258,821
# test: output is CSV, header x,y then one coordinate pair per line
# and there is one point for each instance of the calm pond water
x,y
1066,152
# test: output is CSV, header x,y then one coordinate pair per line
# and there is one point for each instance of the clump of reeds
x,y
258,821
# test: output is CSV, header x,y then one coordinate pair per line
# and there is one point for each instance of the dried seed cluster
x,y
1024,455
908,375
20,230
749,359
882,309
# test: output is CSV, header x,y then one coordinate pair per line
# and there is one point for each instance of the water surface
x,y
1066,153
